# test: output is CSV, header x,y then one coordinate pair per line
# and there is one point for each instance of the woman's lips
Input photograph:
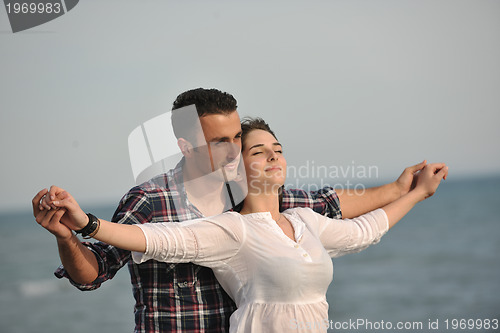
x,y
273,168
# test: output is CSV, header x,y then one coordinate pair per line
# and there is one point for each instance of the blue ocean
x,y
437,270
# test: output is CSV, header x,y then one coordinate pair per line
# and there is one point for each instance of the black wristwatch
x,y
91,228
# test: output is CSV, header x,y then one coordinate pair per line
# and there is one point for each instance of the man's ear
x,y
185,146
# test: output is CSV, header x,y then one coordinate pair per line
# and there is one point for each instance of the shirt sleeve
x,y
134,208
340,237
208,242
324,201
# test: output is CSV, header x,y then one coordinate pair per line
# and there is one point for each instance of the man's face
x,y
223,137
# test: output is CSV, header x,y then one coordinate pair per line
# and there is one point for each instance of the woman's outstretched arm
x,y
340,238
124,236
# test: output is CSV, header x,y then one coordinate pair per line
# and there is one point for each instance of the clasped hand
x,y
426,175
429,178
58,212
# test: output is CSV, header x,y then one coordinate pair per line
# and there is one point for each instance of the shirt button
x,y
304,255
296,246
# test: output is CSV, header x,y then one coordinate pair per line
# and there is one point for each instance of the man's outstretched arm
x,y
353,203
80,262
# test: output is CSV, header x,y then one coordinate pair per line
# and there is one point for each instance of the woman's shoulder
x,y
305,214
300,211
225,218
308,216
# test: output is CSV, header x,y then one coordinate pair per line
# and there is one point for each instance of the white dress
x,y
278,285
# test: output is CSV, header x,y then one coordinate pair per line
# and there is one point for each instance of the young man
x,y
187,297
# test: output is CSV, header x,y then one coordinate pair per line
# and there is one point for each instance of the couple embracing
x,y
260,265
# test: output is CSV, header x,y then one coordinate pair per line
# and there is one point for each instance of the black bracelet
x,y
91,228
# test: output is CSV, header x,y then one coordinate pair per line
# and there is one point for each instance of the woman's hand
x,y
429,179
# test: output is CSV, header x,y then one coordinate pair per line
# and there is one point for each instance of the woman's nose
x,y
273,156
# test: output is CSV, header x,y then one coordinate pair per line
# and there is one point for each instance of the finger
x,y
45,202
445,172
45,221
59,197
53,193
442,173
417,167
63,195
56,217
49,199
36,201
40,216
436,166
65,203
433,168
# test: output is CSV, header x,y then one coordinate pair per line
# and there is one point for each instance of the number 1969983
x,y
34,8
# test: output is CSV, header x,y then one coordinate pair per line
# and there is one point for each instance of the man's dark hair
x,y
207,101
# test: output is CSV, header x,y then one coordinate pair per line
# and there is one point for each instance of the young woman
x,y
275,265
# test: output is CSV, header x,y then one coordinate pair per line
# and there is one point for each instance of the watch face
x,y
93,226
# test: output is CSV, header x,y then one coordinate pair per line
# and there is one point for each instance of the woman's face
x,y
264,162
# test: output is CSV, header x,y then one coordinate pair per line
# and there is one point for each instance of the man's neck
x,y
206,193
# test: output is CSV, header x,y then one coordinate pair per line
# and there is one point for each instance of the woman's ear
x,y
185,146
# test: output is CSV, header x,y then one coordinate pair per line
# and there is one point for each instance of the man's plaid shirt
x,y
178,297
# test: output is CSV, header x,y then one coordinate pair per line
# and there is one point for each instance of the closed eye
x,y
218,143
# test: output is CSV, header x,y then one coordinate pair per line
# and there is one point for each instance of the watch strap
x,y
91,228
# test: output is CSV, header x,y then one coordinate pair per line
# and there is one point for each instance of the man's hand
x,y
49,219
80,262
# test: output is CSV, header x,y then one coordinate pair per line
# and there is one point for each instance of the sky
x,y
346,85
